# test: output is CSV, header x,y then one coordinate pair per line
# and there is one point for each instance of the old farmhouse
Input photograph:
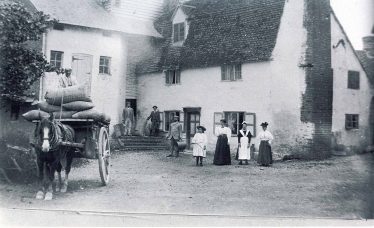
x,y
287,62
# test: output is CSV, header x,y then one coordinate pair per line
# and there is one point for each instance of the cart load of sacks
x,y
67,103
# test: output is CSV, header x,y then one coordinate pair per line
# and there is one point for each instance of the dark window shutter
x,y
353,79
178,72
167,77
231,72
223,72
238,71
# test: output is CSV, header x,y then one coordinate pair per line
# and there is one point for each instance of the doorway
x,y
132,104
192,120
81,65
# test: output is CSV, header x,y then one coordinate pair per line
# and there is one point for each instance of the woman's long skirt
x,y
222,153
265,156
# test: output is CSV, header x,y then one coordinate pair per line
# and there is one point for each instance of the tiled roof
x,y
368,64
222,32
88,13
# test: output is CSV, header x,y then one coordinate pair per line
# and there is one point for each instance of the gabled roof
x,y
222,32
88,13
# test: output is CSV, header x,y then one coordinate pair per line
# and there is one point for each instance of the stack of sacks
x,y
66,103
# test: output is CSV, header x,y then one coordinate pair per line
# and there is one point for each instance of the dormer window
x,y
178,32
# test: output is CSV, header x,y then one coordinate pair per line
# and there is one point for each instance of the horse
x,y
51,156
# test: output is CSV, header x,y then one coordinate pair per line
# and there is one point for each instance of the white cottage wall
x,y
345,100
107,91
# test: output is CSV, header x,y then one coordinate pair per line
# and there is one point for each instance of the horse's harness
x,y
58,134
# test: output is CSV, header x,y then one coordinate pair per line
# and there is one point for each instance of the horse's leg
x,y
69,160
58,182
51,176
40,193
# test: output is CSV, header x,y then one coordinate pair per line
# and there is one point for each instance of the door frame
x,y
91,63
187,121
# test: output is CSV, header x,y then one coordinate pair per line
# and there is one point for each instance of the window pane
x,y
181,31
101,60
176,35
238,71
223,73
353,79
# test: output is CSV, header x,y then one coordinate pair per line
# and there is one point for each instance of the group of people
x,y
222,155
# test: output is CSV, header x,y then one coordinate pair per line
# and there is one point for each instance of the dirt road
x,y
148,182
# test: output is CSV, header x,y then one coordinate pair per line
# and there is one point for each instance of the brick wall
x,y
317,99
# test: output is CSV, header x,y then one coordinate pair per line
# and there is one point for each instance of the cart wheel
x,y
103,154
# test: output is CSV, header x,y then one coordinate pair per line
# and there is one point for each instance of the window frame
x,y
104,66
181,30
168,118
53,60
351,124
173,77
222,115
353,79
231,72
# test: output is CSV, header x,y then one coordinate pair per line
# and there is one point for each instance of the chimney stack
x,y
369,45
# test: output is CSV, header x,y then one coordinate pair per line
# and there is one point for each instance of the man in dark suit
x,y
155,119
174,136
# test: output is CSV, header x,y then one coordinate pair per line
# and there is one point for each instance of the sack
x,y
48,108
89,114
35,115
78,105
64,114
68,94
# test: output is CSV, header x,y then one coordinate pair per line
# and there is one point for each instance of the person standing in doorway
x,y
244,140
200,142
128,119
155,119
222,153
174,136
66,79
265,156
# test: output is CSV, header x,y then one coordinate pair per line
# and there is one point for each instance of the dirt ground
x,y
148,182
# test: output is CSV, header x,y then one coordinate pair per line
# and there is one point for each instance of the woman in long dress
x,y
200,142
265,157
244,140
222,153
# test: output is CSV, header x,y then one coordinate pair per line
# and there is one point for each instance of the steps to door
x,y
137,143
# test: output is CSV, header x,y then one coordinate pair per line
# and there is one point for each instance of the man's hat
x,y
264,124
154,106
201,127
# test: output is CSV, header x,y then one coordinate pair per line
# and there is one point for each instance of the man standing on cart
x,y
66,79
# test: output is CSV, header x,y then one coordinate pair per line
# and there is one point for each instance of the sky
x,y
356,17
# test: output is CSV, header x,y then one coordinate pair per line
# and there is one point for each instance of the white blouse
x,y
265,136
224,131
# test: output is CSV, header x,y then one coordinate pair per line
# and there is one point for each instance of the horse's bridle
x,y
55,138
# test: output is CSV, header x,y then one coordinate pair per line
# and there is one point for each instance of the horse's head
x,y
46,132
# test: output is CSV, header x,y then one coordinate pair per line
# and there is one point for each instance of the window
x,y
178,32
351,121
353,79
231,72
235,120
104,67
117,3
169,118
56,58
173,77
58,26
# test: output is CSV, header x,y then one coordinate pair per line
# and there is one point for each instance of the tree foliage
x,y
21,62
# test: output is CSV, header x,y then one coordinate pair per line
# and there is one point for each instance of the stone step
x,y
143,148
